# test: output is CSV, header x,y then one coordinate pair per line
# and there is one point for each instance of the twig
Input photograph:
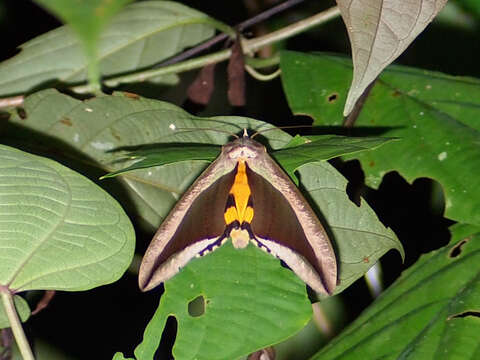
x,y
262,77
11,101
44,301
249,46
220,37
291,30
267,14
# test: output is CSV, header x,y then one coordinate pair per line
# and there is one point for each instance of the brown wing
x,y
277,226
202,224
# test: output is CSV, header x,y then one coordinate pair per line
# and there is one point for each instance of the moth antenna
x,y
280,127
204,129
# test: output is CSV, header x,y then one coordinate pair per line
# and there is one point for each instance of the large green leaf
x,y
430,312
435,117
249,303
87,19
360,239
379,32
58,230
141,35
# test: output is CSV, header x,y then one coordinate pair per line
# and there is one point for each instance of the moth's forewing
x,y
195,222
285,219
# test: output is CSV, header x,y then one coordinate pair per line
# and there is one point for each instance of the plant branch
x,y
16,324
239,27
11,101
249,46
291,30
262,77
267,14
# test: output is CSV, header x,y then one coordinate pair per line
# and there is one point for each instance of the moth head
x,y
243,149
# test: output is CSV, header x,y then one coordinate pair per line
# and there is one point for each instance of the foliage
x,y
74,157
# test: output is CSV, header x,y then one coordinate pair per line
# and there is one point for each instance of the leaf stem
x,y
249,46
15,324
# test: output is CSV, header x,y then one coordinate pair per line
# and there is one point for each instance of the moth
x,y
243,195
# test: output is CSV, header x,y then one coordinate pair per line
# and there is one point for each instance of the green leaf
x,y
58,230
23,311
379,32
430,312
434,116
143,34
93,132
249,303
164,154
87,19
323,147
360,239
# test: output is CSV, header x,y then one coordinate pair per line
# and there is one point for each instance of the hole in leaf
x,y
352,170
196,307
22,114
413,211
332,97
466,314
169,334
457,249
